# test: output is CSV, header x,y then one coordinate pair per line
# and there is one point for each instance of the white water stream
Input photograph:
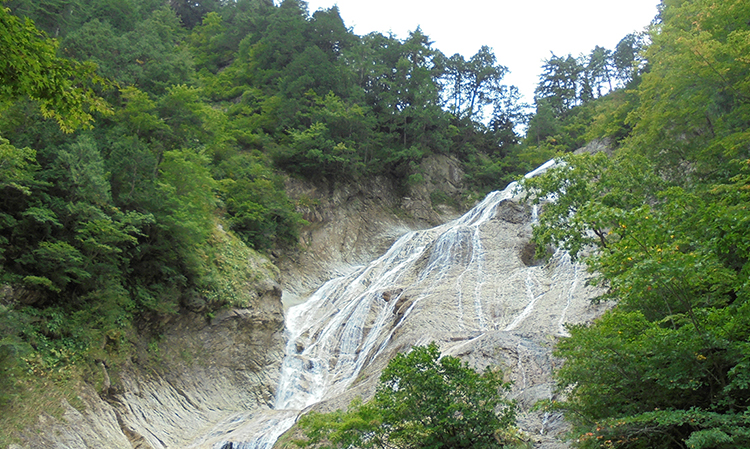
x,y
349,321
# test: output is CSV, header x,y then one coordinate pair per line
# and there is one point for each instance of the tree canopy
x,y
175,124
422,400
663,227
31,67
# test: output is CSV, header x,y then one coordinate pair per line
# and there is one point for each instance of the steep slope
x,y
373,283
199,371
471,285
352,224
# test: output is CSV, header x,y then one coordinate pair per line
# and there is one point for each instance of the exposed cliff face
x,y
352,224
199,372
476,290
210,380
211,371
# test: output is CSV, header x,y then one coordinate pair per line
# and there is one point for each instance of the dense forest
x,y
132,132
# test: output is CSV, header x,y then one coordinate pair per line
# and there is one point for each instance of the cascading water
x,y
350,320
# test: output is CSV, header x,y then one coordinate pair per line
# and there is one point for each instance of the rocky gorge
x,y
377,273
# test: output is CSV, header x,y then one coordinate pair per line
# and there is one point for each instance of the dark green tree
x,y
55,17
599,70
257,207
664,225
543,124
667,366
627,59
560,83
329,33
472,84
152,56
210,44
508,113
693,101
192,12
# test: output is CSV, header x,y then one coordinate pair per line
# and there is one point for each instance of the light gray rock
x,y
351,224
211,371
204,371
212,377
605,145
96,426
492,304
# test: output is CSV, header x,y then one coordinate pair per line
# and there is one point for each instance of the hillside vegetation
x,y
664,225
144,147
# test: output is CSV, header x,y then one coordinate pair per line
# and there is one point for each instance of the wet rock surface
x,y
472,287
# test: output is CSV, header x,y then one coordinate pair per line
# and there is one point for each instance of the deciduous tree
x,y
423,400
30,67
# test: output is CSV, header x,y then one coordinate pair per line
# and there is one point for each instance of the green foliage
x,y
604,117
257,208
559,83
318,155
664,227
31,68
191,13
227,272
667,367
567,220
151,56
608,116
693,106
209,45
155,54
579,100
422,400
188,199
627,61
80,168
486,173
16,165
438,197
567,82
473,83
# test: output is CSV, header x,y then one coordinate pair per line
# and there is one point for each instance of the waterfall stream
x,y
349,321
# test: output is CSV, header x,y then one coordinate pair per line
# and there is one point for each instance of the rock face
x,y
605,145
472,287
204,377
202,372
214,371
368,283
443,178
352,224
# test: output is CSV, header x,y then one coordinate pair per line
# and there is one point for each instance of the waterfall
x,y
350,320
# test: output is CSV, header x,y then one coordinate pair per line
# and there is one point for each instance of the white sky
x,y
521,32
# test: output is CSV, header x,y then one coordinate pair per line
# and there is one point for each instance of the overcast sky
x,y
522,33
